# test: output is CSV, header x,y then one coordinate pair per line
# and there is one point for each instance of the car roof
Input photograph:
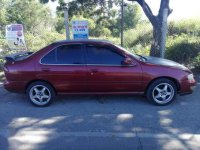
x,y
83,41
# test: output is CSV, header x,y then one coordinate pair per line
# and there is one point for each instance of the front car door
x,y
106,72
65,68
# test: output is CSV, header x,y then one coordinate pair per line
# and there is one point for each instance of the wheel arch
x,y
39,80
164,77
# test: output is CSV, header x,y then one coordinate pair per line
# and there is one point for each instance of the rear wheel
x,y
162,92
40,94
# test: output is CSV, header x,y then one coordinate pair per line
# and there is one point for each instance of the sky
x,y
182,9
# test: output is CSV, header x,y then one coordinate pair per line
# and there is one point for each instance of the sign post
x,y
67,23
80,29
15,37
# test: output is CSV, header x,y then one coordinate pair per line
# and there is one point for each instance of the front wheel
x,y
40,94
162,92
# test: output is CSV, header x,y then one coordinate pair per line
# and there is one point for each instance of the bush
x,y
142,35
138,40
183,49
189,27
35,43
196,62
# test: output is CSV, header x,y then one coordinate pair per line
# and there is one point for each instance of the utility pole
x,y
66,23
164,32
122,23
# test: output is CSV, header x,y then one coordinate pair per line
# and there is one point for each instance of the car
x,y
95,67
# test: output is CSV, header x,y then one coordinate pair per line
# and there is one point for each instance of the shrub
x,y
189,27
196,62
142,35
35,43
183,49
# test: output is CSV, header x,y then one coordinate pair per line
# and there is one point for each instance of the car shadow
x,y
99,122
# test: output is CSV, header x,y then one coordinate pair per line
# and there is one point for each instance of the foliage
x,y
132,16
139,38
35,43
183,48
3,11
196,62
33,15
105,15
189,27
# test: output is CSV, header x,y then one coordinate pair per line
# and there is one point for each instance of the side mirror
x,y
128,62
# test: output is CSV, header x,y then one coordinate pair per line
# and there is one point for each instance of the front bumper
x,y
187,87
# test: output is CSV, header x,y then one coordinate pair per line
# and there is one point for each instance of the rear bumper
x,y
15,86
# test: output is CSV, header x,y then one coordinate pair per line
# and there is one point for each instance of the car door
x,y
65,68
106,72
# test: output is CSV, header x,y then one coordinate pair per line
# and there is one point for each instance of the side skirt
x,y
104,93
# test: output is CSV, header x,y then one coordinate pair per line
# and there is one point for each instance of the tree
x,y
132,16
101,11
104,13
157,23
35,17
3,12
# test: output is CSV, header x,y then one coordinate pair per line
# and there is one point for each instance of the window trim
x,y
81,44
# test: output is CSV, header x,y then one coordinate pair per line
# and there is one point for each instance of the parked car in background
x,y
94,67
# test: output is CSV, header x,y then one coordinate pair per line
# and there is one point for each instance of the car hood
x,y
165,62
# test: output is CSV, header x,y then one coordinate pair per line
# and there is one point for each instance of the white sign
x,y
80,29
15,37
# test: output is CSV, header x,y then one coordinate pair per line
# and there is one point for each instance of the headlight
x,y
190,78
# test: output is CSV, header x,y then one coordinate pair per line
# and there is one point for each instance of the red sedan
x,y
94,67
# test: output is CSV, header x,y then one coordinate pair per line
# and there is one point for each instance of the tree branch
x,y
147,10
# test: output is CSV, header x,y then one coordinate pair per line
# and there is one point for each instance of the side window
x,y
50,58
103,56
70,54
66,54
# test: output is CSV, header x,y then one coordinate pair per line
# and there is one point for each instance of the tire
x,y
40,93
161,92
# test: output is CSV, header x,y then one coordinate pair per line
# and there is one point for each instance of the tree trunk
x,y
157,22
156,43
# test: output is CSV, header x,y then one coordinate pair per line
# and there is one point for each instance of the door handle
x,y
94,70
46,69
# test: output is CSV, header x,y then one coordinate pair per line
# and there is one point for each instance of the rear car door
x,y
106,72
65,68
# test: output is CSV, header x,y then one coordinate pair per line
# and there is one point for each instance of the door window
x,y
103,56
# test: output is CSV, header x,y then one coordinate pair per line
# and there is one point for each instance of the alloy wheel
x,y
163,93
40,95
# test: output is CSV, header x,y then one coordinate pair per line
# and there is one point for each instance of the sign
x,y
80,29
15,37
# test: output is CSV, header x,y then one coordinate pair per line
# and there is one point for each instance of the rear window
x,y
66,54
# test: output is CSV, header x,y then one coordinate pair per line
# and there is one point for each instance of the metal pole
x,y
122,23
66,23
164,32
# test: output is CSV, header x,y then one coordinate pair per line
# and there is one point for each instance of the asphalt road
x,y
105,123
